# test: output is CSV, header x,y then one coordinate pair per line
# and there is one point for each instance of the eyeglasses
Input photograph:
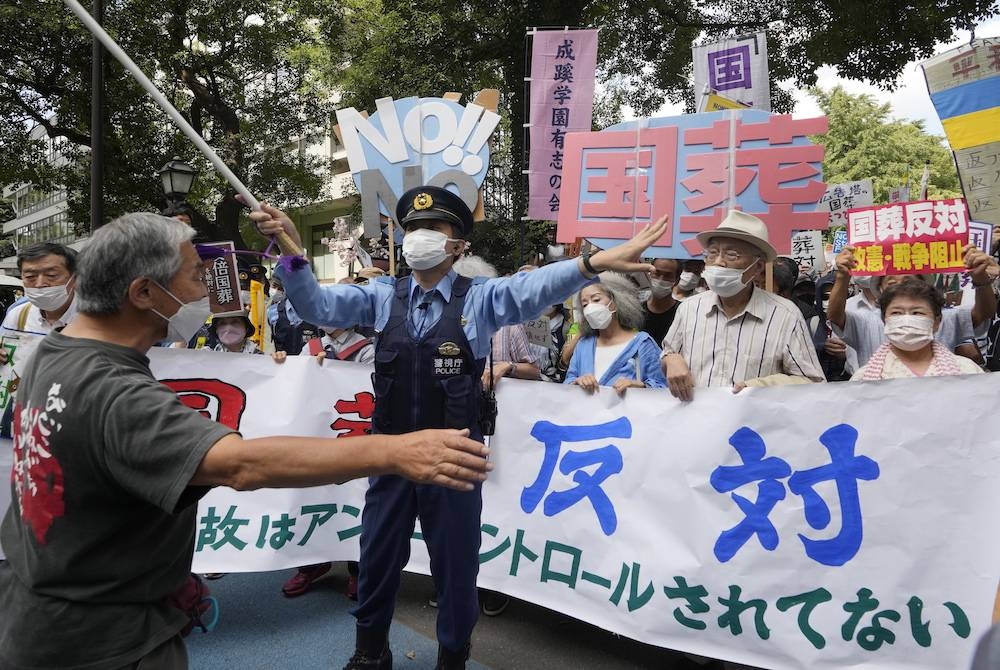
x,y
730,256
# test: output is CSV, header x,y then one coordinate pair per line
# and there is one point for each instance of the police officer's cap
x,y
432,203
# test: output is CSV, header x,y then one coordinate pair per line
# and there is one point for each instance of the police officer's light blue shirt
x,y
489,305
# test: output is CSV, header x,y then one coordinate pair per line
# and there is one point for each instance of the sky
x,y
909,100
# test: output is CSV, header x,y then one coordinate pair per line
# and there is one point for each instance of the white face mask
x,y
725,282
231,334
688,281
909,332
597,315
49,298
826,305
424,248
660,288
191,316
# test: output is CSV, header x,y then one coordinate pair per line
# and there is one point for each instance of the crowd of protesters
x,y
671,324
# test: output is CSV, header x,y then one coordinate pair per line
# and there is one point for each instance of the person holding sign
x,y
109,464
434,340
862,329
911,311
735,334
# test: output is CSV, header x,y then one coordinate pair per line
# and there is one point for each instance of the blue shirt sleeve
x,y
652,373
505,301
340,305
582,361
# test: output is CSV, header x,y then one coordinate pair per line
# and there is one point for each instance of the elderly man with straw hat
x,y
735,334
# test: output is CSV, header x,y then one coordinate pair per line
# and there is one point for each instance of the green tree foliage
x,y
864,141
239,70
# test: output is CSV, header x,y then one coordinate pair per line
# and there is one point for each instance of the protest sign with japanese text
x,y
807,249
841,197
412,142
920,237
618,180
222,279
812,527
563,63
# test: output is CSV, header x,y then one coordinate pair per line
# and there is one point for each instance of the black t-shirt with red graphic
x,y
102,521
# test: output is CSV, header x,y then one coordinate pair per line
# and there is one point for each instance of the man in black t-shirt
x,y
109,465
659,310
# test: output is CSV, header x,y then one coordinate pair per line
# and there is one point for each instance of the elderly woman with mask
x,y
612,351
911,311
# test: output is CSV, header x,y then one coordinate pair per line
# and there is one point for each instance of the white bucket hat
x,y
742,226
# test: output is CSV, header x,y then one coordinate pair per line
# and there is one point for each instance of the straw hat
x,y
742,226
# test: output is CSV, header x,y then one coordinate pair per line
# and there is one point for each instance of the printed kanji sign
x,y
921,237
223,280
693,168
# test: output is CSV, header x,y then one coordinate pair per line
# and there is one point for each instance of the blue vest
x,y
430,382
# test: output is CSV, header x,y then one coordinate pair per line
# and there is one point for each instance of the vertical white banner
x,y
735,68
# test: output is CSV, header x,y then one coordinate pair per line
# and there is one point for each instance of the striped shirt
x,y
511,345
864,330
768,337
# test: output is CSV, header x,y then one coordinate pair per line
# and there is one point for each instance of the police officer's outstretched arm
x,y
443,457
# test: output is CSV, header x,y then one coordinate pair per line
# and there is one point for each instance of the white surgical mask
x,y
277,295
555,252
424,248
231,334
660,288
826,305
597,315
725,282
191,316
688,281
49,298
909,332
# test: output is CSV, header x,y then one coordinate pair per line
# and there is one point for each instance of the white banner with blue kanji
x,y
820,526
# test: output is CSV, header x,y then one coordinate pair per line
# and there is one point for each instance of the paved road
x,y
259,629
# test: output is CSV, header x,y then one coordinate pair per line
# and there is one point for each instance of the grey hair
x,y
474,266
623,293
132,246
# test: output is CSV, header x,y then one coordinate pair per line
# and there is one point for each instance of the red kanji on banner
x,y
774,166
213,399
608,184
363,405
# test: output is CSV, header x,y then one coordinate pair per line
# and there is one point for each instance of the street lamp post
x,y
177,178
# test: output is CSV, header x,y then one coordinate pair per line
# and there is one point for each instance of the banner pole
x,y
284,241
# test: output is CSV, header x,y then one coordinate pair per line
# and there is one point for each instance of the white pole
x,y
95,28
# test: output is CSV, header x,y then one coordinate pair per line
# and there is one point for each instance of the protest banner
x,y
808,526
807,249
561,100
412,142
222,279
841,197
693,168
921,237
964,85
736,67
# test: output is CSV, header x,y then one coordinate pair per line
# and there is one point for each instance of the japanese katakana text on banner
x,y
818,526
920,237
736,68
620,179
561,100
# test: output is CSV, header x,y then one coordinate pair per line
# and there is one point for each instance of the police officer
x,y
434,338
